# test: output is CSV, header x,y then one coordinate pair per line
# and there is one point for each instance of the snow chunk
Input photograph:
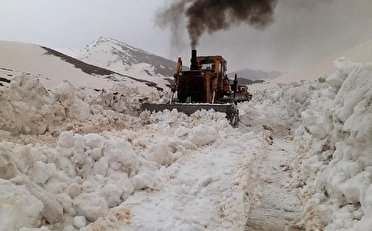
x,y
79,110
7,168
74,190
65,200
312,120
121,151
66,139
311,166
111,193
18,207
160,153
90,206
354,188
202,135
94,140
145,179
41,172
181,132
121,180
53,211
25,157
80,222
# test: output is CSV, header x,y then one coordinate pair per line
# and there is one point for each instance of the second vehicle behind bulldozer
x,y
204,86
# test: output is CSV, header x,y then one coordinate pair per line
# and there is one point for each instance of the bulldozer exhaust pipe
x,y
194,61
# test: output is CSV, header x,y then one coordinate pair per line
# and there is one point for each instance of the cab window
x,y
207,66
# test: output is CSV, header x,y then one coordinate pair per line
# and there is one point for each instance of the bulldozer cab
x,y
206,82
214,63
217,65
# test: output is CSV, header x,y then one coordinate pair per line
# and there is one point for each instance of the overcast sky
x,y
304,31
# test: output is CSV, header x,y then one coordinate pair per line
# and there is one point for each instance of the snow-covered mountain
x,y
125,59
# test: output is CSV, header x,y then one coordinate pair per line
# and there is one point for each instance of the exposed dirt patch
x,y
5,69
86,68
4,80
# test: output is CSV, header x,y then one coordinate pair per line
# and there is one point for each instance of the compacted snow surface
x,y
84,160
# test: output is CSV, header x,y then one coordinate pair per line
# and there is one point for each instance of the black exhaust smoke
x,y
214,15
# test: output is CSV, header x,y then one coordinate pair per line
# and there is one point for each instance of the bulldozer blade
x,y
232,113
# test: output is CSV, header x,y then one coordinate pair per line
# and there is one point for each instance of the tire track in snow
x,y
208,189
277,207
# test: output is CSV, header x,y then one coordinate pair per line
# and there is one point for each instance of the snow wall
x,y
331,122
337,169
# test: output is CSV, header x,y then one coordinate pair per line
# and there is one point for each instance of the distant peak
x,y
102,40
107,39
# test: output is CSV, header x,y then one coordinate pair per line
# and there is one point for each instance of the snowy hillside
x,y
122,58
52,67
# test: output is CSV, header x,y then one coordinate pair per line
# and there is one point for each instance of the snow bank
x,y
331,121
340,147
82,178
18,207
